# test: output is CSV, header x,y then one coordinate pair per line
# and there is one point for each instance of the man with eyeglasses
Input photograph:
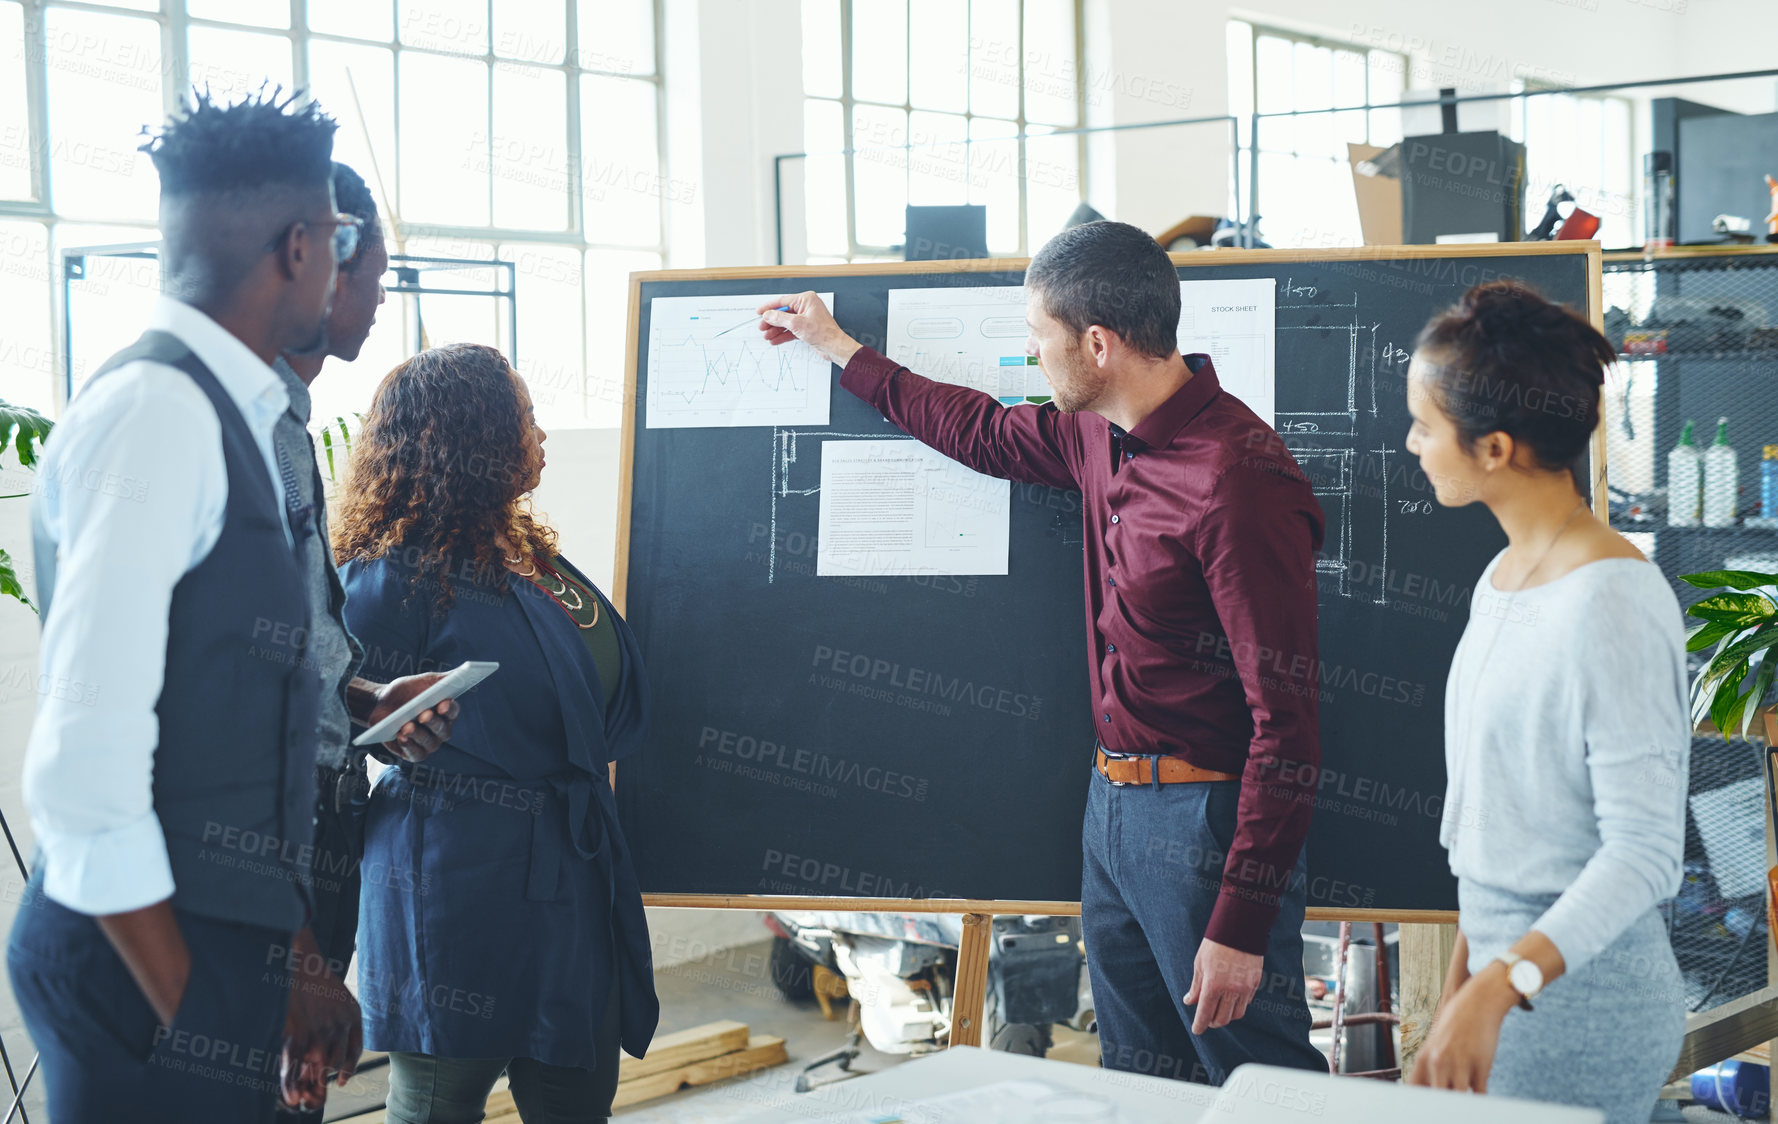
x,y
170,773
324,1024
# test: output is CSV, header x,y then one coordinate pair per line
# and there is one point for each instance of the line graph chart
x,y
709,368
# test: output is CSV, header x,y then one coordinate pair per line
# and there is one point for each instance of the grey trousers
x,y
1603,1037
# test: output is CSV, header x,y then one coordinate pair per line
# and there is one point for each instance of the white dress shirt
x,y
132,491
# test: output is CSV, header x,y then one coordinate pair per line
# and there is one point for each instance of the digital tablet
x,y
456,681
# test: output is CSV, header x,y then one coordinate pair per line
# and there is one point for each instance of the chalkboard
x,y
917,738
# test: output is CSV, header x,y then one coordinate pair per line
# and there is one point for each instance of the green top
x,y
601,638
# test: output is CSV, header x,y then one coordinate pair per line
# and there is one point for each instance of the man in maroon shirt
x,y
1201,536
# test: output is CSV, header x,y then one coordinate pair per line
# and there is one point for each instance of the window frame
x,y
1247,152
848,103
176,23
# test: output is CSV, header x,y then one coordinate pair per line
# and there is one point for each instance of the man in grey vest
x,y
170,773
320,1006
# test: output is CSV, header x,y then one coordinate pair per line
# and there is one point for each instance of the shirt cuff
x,y
867,374
1242,919
110,872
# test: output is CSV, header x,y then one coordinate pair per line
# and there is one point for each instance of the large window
x,y
1586,143
524,129
932,96
1305,178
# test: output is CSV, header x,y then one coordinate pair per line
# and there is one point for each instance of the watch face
x,y
1527,978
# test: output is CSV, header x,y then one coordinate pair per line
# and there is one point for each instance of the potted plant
x,y
24,430
1742,623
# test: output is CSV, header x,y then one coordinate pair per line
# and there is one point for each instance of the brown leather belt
x,y
1139,770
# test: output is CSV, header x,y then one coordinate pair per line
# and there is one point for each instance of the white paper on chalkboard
x,y
899,509
709,368
1235,322
973,336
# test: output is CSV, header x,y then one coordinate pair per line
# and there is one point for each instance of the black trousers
x,y
104,1055
335,881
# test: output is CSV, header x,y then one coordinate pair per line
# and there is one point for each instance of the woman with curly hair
x,y
502,927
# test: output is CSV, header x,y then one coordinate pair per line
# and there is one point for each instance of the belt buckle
x,y
1106,773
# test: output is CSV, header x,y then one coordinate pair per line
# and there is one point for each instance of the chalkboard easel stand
x,y
1423,279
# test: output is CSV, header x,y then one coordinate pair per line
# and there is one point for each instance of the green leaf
x,y
1762,682
24,429
1734,579
327,447
1709,633
1761,639
1726,703
1744,608
10,586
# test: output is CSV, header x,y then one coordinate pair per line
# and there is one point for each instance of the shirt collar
x,y
1157,430
256,390
300,403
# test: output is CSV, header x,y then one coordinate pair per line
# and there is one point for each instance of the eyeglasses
x,y
347,230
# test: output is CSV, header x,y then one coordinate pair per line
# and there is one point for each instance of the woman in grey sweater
x,y
1566,733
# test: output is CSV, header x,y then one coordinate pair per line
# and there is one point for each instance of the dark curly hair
x,y
441,468
1504,359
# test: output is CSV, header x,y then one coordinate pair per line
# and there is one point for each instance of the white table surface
x,y
1253,1095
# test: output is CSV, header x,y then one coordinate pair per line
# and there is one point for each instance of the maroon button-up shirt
x,y
1201,536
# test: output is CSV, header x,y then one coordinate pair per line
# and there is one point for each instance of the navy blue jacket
x,y
500,902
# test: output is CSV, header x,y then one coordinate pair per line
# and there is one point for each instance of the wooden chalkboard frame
x,y
1594,312
972,962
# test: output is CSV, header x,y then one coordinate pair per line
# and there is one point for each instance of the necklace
x,y
1505,615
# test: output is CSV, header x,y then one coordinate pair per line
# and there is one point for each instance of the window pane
x,y
994,57
134,5
108,309
617,36
457,26
535,30
1388,78
824,177
940,35
994,180
821,48
880,50
1240,39
550,352
15,121
357,18
1348,78
620,169
1052,186
104,85
444,140
530,149
261,13
345,77
938,165
880,174
234,64
607,323
28,370
1051,76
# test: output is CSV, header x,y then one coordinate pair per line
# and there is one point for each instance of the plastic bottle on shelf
x,y
1722,479
1685,482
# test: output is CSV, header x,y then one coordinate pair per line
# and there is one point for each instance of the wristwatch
x,y
1524,975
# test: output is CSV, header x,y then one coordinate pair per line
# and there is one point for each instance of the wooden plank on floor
x,y
648,1088
675,1051
762,1052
